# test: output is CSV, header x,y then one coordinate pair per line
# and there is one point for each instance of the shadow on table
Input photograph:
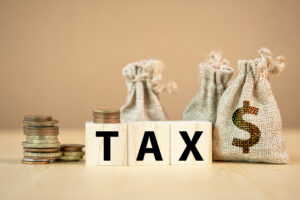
x,y
294,159
10,161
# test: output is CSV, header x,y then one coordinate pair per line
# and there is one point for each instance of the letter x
x,y
190,145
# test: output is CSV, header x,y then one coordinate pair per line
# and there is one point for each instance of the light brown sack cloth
x,y
143,83
214,74
248,125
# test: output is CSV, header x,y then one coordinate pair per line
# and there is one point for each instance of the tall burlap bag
x,y
214,74
143,83
248,125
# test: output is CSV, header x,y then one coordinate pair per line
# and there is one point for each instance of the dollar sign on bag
x,y
254,131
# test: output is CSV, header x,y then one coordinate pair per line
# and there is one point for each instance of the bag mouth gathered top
x,y
143,80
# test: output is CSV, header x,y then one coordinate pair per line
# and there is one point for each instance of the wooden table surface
x,y
221,180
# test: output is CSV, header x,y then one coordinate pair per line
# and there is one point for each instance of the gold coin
x,y
37,118
29,145
35,162
41,150
106,111
41,133
41,124
108,122
73,153
41,137
42,141
70,158
40,129
42,158
107,118
104,116
48,155
100,119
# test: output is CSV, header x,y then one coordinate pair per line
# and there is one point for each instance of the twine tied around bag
x,y
150,71
216,59
274,65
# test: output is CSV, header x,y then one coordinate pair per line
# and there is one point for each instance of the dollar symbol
x,y
254,131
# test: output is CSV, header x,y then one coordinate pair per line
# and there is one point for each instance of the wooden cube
x,y
149,143
106,144
191,142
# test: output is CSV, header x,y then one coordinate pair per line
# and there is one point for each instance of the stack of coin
x,y
71,152
41,145
106,116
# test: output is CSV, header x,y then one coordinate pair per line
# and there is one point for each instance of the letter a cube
x,y
149,143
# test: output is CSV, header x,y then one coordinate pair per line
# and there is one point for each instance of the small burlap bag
x,y
248,125
143,83
214,74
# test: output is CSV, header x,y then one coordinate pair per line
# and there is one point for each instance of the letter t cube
x,y
106,144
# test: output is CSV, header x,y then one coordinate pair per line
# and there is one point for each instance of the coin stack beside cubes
x,y
71,152
106,116
41,145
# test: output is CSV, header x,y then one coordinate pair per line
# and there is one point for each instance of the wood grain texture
x,y
135,135
203,144
95,147
76,181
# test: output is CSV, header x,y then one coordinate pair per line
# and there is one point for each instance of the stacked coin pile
x,y
71,152
106,116
41,145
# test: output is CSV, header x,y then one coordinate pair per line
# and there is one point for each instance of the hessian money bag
x,y
248,125
143,83
214,74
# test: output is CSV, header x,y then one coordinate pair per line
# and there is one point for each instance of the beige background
x,y
65,57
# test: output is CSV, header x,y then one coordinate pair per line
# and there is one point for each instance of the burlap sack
x,y
214,74
143,83
248,125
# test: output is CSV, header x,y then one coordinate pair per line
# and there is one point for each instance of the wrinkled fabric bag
x,y
248,125
214,74
143,83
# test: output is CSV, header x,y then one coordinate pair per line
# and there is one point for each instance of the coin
x,y
42,141
37,118
106,116
35,162
73,153
40,129
41,137
65,146
42,145
40,133
41,150
42,158
48,155
31,158
41,124
71,147
70,158
106,121
106,111
29,145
